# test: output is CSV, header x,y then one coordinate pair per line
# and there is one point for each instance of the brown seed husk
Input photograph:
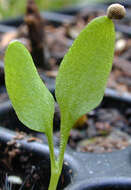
x,y
116,11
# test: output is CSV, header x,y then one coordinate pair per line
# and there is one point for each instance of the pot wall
x,y
105,184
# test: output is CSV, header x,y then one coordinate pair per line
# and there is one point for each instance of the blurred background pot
x,y
119,183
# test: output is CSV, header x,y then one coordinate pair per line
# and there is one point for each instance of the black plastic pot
x,y
73,10
126,3
90,171
82,171
4,101
53,17
120,183
9,120
118,119
30,161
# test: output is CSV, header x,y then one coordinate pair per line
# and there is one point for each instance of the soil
x,y
20,169
57,43
60,37
3,95
97,133
106,129
120,76
56,46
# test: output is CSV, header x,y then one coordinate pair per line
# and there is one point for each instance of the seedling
x,y
80,84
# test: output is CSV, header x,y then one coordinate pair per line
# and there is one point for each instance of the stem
x,y
55,174
54,165
56,171
63,143
51,147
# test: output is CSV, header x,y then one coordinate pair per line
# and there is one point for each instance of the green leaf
x,y
32,101
84,71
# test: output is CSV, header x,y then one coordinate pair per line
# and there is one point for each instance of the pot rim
x,y
103,182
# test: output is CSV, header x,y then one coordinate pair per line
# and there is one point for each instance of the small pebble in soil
x,y
115,141
15,180
120,45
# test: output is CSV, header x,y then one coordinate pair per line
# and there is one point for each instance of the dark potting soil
x,y
106,129
120,77
20,169
96,130
60,37
3,94
56,41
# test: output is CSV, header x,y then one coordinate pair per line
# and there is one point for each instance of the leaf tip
x,y
14,43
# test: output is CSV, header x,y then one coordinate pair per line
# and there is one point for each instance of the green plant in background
x,y
80,84
15,8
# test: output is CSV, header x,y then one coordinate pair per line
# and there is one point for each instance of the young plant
x,y
80,84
